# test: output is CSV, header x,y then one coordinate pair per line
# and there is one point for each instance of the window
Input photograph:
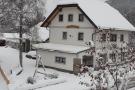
x,y
103,37
81,17
113,37
121,37
61,60
70,17
122,56
104,56
60,18
64,36
80,36
113,57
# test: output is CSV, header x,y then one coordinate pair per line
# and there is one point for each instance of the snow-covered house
x,y
75,26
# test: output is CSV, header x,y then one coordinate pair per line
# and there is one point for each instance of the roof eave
x,y
56,50
110,28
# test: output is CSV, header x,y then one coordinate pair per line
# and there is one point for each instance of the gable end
x,y
58,9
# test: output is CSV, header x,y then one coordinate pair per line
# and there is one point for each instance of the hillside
x,y
126,7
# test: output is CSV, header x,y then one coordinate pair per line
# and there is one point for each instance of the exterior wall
x,y
56,28
48,58
70,10
131,39
118,42
107,44
72,36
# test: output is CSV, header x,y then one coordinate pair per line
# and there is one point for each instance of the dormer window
x,y
81,17
70,17
61,18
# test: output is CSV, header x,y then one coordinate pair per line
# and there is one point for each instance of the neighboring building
x,y
12,40
75,25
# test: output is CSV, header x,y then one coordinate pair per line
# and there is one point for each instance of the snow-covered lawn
x,y
9,59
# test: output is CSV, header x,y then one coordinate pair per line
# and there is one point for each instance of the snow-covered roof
x,y
103,15
13,35
60,47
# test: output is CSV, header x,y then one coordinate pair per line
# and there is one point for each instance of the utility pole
x,y
20,36
20,42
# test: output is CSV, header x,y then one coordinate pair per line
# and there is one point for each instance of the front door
x,y
88,60
76,65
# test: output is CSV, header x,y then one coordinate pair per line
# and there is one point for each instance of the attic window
x,y
70,17
81,17
61,18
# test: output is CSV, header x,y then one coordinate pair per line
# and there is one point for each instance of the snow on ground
x,y
9,60
3,85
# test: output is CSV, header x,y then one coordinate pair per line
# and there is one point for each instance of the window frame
x,y
112,56
81,18
113,37
60,60
61,17
121,38
80,38
70,17
64,35
103,37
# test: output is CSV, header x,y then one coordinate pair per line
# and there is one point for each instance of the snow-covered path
x,y
3,85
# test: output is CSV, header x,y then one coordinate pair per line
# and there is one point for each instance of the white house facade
x,y
77,28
